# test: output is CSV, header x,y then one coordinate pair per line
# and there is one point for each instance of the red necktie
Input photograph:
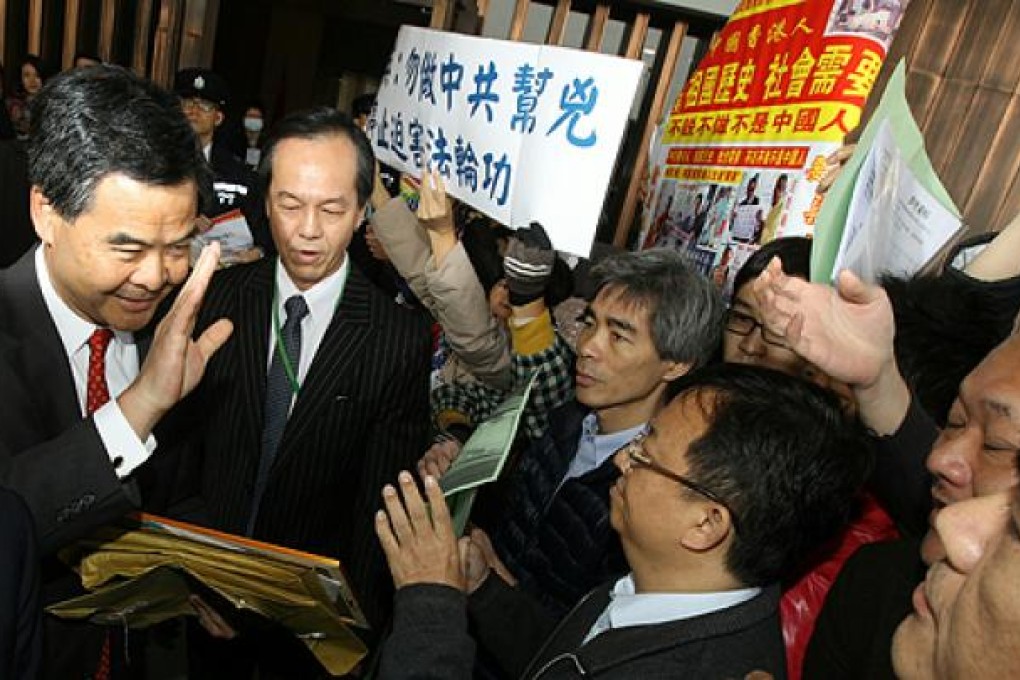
x,y
97,394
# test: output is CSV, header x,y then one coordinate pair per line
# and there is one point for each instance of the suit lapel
x,y
339,352
39,348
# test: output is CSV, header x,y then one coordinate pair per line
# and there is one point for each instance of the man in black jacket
x,y
737,480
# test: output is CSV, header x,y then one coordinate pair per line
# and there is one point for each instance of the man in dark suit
x,y
114,172
204,98
322,394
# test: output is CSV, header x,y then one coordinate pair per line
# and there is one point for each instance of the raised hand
x,y
419,543
528,263
435,209
175,363
846,331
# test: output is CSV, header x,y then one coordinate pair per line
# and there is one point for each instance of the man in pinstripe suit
x,y
321,396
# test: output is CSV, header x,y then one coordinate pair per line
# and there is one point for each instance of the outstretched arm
x,y
847,332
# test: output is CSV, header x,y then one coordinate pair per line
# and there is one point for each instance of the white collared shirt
x,y
628,608
125,449
322,300
593,448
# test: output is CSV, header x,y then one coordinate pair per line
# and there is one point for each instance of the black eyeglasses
x,y
635,451
744,324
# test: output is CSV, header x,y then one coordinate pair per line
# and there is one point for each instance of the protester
x,y
848,332
254,124
742,475
553,542
747,341
966,611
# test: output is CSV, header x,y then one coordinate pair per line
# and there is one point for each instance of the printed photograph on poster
x,y
690,216
681,217
756,220
662,215
717,227
731,259
878,19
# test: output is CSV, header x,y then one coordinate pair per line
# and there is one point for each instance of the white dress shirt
x,y
322,300
627,608
123,446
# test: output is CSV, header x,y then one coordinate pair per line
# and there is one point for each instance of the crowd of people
x,y
808,481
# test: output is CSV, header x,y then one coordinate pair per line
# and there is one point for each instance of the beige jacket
x,y
452,293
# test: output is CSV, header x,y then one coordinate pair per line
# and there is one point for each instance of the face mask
x,y
253,124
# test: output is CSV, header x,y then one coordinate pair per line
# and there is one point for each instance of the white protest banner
x,y
521,132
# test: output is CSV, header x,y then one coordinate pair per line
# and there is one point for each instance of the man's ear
x,y
710,528
675,369
44,216
219,118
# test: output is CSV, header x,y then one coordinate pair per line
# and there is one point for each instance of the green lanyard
x,y
288,368
295,386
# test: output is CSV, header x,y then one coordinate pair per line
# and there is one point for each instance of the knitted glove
x,y
528,264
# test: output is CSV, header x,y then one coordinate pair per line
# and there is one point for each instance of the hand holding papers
x,y
483,456
146,572
887,211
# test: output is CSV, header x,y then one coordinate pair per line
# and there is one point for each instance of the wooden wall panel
x,y
107,22
72,12
35,19
597,28
140,53
655,114
938,44
558,25
519,20
963,76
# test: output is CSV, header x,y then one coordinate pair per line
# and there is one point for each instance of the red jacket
x,y
803,600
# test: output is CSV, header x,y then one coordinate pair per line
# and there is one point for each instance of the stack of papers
x,y
144,572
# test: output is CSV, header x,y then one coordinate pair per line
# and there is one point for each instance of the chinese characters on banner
x,y
521,132
744,145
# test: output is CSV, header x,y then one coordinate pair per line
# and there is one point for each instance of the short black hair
x,y
685,309
315,123
362,105
97,121
86,55
785,456
794,253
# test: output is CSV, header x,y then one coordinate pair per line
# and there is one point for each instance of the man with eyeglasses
x,y
742,476
204,97
652,319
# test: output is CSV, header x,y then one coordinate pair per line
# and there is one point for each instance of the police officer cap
x,y
202,83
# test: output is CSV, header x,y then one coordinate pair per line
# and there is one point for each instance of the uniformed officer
x,y
204,96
